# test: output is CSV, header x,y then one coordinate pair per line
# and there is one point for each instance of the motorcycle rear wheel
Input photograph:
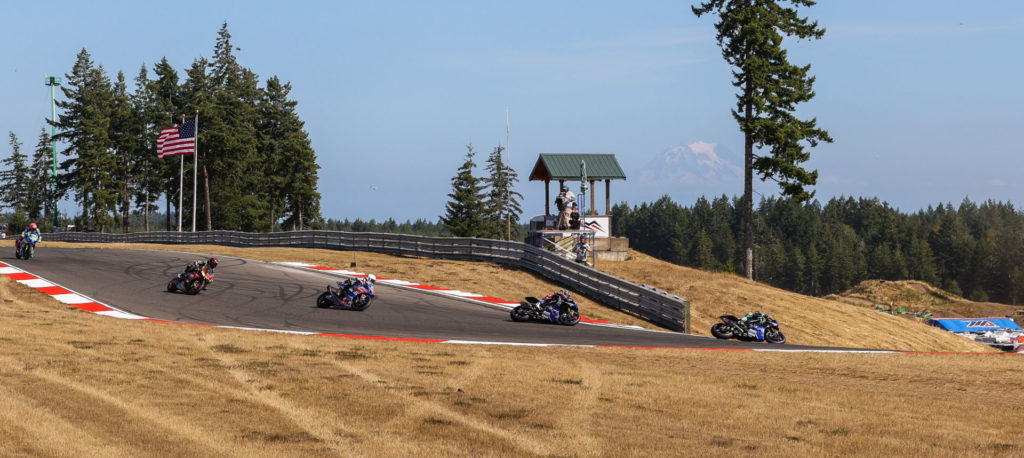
x,y
324,301
774,337
520,314
361,302
722,331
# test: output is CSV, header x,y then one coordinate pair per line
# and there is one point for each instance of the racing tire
x,y
361,302
774,338
193,287
520,314
569,317
722,331
324,300
17,254
170,286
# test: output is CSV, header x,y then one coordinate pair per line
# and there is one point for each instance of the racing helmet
x,y
565,294
212,262
371,278
33,226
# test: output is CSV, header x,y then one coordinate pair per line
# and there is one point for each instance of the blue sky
x,y
922,97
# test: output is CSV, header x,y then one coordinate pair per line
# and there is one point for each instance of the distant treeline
x,y
976,251
418,227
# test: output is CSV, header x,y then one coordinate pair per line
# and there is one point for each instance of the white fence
x,y
653,305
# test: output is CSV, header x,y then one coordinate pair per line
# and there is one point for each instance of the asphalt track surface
x,y
257,294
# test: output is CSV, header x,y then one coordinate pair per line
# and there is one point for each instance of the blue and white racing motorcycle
x,y
558,308
25,247
352,295
761,328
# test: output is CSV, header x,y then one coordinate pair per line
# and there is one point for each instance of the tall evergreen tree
x,y
503,207
85,129
750,33
41,182
165,111
465,211
14,177
146,167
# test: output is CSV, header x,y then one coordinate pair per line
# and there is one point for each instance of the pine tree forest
x,y
257,170
973,250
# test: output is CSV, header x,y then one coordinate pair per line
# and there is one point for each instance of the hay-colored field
x,y
78,384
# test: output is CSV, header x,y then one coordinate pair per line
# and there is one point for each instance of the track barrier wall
x,y
653,305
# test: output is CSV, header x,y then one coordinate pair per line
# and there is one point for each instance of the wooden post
x,y
593,210
608,196
547,197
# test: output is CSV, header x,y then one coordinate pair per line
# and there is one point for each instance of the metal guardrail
x,y
656,306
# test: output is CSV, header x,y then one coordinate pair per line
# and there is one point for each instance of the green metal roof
x,y
567,167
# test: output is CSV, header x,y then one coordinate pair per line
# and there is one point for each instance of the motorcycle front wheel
x,y
774,337
170,286
722,331
569,317
520,314
193,287
360,302
324,301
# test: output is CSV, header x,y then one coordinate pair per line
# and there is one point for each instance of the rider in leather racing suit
x,y
550,304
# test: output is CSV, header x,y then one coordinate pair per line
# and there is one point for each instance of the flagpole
x,y
181,182
195,172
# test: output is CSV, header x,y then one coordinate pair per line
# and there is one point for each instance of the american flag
x,y
177,141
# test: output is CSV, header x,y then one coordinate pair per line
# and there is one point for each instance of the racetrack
x,y
256,294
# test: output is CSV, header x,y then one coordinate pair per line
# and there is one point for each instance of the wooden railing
x,y
653,305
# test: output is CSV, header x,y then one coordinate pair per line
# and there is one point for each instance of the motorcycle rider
x,y
752,320
551,304
346,285
31,233
197,266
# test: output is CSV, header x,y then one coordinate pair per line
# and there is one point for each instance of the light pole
x,y
53,82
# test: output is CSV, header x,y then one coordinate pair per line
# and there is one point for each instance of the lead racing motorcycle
x,y
558,308
350,294
196,277
754,326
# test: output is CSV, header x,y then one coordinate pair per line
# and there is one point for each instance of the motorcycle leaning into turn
x,y
757,327
196,277
350,294
558,308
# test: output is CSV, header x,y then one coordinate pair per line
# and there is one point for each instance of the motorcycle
x,y
540,310
25,248
765,331
353,295
191,281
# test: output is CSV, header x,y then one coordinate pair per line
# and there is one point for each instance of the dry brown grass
x,y
78,384
917,296
804,320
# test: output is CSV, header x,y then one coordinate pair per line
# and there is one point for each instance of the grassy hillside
x,y
804,319
915,296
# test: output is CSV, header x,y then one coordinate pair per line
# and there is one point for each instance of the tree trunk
x,y
271,216
147,209
302,224
748,196
206,190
